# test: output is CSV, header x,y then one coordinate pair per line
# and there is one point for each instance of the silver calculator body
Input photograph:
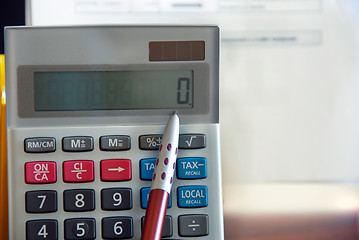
x,y
79,165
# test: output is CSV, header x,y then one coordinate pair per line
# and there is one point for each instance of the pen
x,y
162,181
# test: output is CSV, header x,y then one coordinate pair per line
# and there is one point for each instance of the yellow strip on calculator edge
x,y
3,159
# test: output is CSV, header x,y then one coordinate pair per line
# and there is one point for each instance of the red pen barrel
x,y
155,215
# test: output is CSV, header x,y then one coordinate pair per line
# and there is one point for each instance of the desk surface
x,y
291,211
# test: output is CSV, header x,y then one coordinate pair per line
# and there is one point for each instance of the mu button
x,y
116,170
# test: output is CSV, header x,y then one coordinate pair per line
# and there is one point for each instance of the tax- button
x,y
192,196
116,170
40,172
78,171
191,168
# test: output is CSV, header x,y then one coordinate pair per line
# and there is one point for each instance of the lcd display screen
x,y
113,90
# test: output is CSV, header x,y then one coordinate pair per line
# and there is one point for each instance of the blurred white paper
x,y
289,78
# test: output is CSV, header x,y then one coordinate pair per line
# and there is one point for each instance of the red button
x,y
78,171
40,172
116,170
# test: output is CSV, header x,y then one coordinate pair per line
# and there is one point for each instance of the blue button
x,y
147,168
145,194
192,196
191,168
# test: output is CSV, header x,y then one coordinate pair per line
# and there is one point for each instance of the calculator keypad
x,y
188,195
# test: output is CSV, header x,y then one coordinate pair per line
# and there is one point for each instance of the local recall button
x,y
77,144
191,168
40,172
40,145
192,196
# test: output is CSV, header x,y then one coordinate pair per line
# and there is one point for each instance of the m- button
x,y
40,145
115,143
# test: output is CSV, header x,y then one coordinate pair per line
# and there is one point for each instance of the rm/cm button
x,y
40,145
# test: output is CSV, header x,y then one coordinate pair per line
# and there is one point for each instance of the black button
x,y
44,201
116,199
40,145
167,230
79,200
115,143
150,142
192,141
117,228
77,144
42,229
193,225
80,228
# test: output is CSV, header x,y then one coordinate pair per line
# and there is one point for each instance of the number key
x,y
79,200
116,199
42,229
44,201
80,228
117,228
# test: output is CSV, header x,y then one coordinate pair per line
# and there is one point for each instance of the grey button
x,y
167,230
77,144
115,143
40,145
193,225
150,142
192,141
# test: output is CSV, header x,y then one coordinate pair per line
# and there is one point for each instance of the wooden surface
x,y
322,226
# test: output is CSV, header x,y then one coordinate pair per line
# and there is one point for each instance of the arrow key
x,y
115,170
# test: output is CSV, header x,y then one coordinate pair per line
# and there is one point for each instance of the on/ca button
x,y
40,172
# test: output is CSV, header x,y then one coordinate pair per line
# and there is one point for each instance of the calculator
x,y
86,110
